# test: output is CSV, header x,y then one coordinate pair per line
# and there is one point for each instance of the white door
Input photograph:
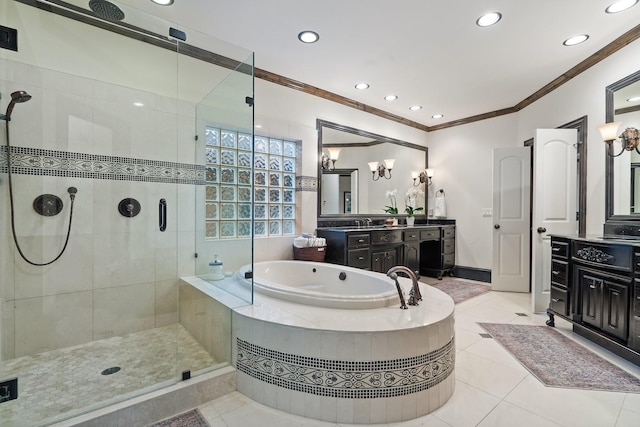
x,y
354,192
554,203
330,193
511,219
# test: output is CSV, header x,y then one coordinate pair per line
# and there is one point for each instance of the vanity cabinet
x,y
380,249
593,285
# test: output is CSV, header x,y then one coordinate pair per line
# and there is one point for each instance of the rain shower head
x,y
106,10
17,97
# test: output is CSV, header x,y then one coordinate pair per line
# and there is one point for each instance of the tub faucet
x,y
414,295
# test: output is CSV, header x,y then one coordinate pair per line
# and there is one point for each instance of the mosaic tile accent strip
x,y
306,183
36,161
346,379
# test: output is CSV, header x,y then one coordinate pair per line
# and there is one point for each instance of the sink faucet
x,y
414,295
368,221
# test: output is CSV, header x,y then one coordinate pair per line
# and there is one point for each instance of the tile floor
x,y
55,383
492,388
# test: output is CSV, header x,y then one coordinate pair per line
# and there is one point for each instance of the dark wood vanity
x,y
595,285
427,249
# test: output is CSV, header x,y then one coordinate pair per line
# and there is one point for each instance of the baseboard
x,y
472,273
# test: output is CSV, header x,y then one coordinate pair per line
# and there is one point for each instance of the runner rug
x,y
191,418
558,361
461,290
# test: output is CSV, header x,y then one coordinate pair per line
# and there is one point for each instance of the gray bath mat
x,y
191,418
558,361
461,290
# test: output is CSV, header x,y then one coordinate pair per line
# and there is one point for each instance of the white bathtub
x,y
321,285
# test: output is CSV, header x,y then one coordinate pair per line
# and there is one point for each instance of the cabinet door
x,y
591,300
412,256
614,311
390,260
378,262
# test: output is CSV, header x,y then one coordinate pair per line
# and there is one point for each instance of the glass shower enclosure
x,y
105,154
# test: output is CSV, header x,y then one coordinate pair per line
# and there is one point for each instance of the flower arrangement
x,y
392,208
410,201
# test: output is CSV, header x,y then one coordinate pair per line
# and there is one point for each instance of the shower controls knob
x,y
129,207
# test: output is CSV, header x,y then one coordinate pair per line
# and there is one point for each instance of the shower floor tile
x,y
57,384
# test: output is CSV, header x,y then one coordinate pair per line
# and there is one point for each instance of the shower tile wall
x,y
118,275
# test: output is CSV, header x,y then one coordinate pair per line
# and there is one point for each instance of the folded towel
x,y
440,208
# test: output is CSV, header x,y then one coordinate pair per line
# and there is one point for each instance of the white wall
x,y
462,155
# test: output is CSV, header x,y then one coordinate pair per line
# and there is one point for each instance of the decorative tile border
x,y
306,183
35,161
346,379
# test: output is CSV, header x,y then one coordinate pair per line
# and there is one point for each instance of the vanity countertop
x,y
379,227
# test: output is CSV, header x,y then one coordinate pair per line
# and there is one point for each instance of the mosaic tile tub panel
x,y
346,379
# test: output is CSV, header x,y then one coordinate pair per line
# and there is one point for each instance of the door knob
x,y
497,226
542,230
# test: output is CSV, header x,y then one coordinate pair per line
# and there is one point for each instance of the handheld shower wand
x,y
17,98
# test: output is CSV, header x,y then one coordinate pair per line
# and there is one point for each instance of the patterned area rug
x,y
191,418
461,290
558,361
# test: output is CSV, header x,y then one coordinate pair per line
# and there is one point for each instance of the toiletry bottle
x,y
215,267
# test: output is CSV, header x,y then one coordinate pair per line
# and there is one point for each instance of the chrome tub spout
x,y
414,295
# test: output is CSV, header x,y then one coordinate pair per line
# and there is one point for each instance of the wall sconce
x,y
629,138
334,153
380,169
422,177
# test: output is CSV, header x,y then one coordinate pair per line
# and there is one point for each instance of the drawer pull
x,y
555,249
360,240
555,300
360,258
592,286
555,272
616,293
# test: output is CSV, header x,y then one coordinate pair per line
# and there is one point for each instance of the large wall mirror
x,y
623,171
347,187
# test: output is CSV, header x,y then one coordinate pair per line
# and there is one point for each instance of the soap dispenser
x,y
215,266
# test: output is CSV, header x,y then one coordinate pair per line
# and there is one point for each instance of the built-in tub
x,y
322,285
364,366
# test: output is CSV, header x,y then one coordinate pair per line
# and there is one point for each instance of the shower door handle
x,y
162,215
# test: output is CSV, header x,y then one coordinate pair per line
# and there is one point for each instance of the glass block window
x,y
250,185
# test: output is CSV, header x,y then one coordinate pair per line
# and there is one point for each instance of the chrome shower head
x,y
17,97
106,10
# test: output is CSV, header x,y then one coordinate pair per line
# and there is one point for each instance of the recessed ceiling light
x,y
362,86
634,99
163,2
415,107
138,104
308,37
437,116
489,19
621,5
571,41
391,97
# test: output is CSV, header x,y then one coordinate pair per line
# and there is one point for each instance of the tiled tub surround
x,y
347,366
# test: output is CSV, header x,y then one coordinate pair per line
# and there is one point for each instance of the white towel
x,y
440,208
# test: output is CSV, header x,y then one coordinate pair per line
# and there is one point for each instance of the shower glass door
x,y
224,203
110,120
